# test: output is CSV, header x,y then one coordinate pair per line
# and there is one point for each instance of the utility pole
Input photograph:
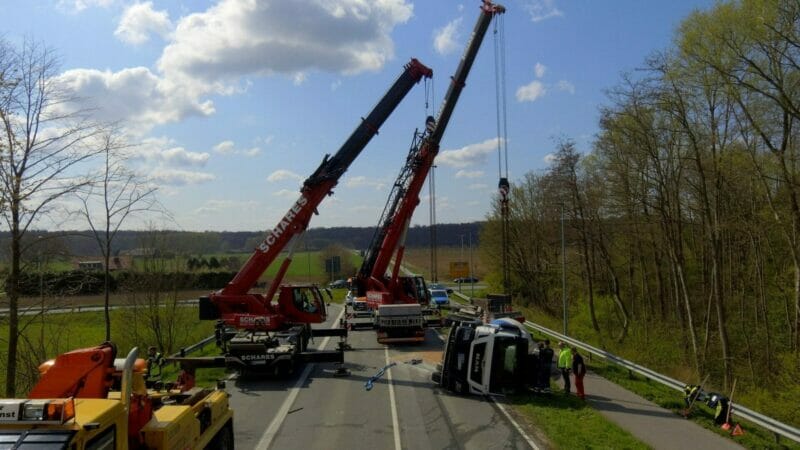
x,y
563,270
434,243
462,260
471,273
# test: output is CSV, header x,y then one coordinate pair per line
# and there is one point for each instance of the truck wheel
x,y
223,440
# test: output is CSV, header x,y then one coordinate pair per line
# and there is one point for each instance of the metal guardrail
x,y
768,423
193,348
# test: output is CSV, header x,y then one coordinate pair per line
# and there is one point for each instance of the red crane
x,y
297,306
395,300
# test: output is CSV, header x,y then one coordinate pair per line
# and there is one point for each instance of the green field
x,y
44,337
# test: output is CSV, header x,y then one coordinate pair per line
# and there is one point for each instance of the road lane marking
x,y
275,425
516,425
395,422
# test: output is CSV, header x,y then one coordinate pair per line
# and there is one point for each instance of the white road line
x,y
275,425
516,425
395,422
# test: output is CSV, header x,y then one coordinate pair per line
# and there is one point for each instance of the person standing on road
x,y
565,364
545,366
578,370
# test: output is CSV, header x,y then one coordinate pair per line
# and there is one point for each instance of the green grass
x,y
59,333
571,424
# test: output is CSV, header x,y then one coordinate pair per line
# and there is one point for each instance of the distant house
x,y
116,263
90,265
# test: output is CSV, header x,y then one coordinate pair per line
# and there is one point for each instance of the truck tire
x,y
223,440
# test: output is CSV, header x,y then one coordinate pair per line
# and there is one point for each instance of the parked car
x,y
440,286
465,280
439,297
338,284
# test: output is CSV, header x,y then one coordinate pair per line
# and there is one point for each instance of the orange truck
x,y
88,399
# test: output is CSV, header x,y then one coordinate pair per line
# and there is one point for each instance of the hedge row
x,y
80,282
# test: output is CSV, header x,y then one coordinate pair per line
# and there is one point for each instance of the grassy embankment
x,y
657,348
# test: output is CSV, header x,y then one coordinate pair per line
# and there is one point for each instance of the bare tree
x,y
119,194
44,145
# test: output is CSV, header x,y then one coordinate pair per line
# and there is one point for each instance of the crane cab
x,y
302,303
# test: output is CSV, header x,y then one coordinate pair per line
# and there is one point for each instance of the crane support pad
x,y
336,332
334,356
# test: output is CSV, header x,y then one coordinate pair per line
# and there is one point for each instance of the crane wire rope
x,y
502,140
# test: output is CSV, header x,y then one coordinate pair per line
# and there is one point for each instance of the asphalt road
x,y
316,410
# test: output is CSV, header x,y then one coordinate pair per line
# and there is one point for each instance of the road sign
x,y
333,265
459,269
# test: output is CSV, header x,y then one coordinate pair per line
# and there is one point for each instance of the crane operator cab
x,y
302,304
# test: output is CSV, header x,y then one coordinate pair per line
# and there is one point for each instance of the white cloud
x,y
540,10
445,39
283,174
235,38
224,147
478,186
362,181
549,158
299,78
335,85
140,20
252,152
228,147
76,6
565,85
178,177
179,156
214,51
539,69
530,92
286,193
134,97
469,174
164,151
468,155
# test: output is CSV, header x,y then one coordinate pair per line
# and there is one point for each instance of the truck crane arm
x,y
387,242
235,299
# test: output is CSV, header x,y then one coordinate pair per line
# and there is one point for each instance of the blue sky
x,y
232,103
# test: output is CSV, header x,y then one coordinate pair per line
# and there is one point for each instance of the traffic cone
x,y
737,430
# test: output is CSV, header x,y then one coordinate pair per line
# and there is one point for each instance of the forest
x,y
681,222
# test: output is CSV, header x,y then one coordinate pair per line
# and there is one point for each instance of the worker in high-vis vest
x,y
565,364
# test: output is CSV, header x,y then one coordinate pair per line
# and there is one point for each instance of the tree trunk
x,y
13,304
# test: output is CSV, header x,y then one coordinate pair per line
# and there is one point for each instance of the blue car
x,y
439,297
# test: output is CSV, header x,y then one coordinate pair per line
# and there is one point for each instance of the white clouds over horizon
x,y
139,21
445,39
468,155
213,52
